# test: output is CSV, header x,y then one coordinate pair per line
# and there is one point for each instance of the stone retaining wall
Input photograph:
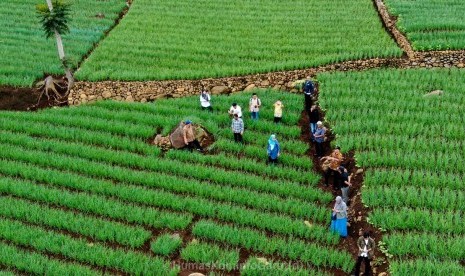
x,y
85,92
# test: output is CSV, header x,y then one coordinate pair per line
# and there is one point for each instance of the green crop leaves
x,y
166,244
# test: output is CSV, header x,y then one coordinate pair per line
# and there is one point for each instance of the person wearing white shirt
x,y
366,246
205,101
235,109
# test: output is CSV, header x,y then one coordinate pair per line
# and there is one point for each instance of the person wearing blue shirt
x,y
273,149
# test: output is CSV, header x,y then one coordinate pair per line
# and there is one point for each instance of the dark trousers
x,y
308,103
254,115
359,263
336,175
209,108
272,161
277,119
319,149
194,145
238,137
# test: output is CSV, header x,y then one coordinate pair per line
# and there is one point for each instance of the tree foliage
x,y
55,20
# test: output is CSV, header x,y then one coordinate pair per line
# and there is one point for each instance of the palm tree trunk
x,y
61,54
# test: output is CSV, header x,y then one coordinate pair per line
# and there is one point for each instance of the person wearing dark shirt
x,y
345,183
314,118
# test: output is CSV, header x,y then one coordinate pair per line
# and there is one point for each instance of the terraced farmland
x,y
431,24
160,40
413,148
25,53
84,193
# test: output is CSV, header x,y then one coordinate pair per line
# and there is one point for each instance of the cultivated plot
x,y
412,146
188,40
25,53
431,24
81,186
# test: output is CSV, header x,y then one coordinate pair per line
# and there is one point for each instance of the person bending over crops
x,y
237,127
235,109
339,218
205,100
345,183
278,111
273,150
335,159
254,106
319,137
366,246
189,137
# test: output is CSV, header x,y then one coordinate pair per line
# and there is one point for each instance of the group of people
x,y
333,168
237,124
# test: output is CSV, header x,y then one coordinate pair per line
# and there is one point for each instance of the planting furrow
x,y
79,249
402,218
94,204
255,267
172,183
37,264
79,135
256,241
239,215
91,227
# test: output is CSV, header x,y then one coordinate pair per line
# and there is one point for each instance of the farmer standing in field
x,y
319,137
308,88
314,118
235,110
237,127
339,218
278,111
254,106
189,137
366,246
345,184
335,159
205,100
273,150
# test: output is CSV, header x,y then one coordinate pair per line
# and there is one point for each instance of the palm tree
x,y
54,18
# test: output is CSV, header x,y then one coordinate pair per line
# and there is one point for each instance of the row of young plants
x,y
81,250
91,204
259,242
243,164
259,154
441,222
411,148
143,132
426,245
94,228
130,160
267,221
261,201
166,244
31,262
256,267
78,135
211,256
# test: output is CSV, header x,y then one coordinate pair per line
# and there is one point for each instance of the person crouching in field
x,y
189,137
273,150
278,111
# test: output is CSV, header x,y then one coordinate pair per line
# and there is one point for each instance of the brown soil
x,y
357,212
23,99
